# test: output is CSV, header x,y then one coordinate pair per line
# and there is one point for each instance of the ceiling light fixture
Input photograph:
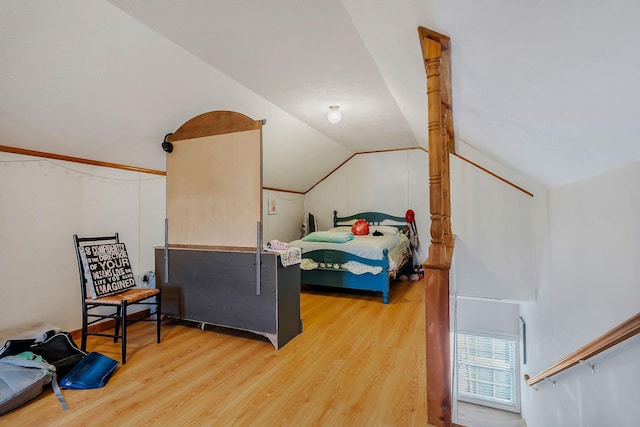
x,y
334,115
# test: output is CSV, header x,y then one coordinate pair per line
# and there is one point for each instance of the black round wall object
x,y
167,146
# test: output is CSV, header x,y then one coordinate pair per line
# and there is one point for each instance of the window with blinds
x,y
487,370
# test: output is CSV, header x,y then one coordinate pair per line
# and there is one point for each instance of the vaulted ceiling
x,y
545,88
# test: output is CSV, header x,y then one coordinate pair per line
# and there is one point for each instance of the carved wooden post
x,y
438,263
446,191
431,53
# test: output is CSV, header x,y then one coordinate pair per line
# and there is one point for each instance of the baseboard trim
x,y
109,324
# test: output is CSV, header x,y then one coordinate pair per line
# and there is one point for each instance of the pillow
x,y
360,228
341,229
328,236
386,229
107,269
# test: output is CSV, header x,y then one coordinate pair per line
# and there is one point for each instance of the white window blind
x,y
487,369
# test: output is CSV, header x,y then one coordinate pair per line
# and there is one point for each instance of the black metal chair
x,y
93,310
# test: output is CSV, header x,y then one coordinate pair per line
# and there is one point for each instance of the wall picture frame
x,y
272,206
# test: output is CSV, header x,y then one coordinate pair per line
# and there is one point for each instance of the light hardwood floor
x,y
358,363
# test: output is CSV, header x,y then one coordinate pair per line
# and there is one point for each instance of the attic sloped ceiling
x,y
546,88
87,80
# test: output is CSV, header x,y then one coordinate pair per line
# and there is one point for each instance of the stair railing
x,y
615,336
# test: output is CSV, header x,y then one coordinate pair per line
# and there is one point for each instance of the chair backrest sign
x,y
107,269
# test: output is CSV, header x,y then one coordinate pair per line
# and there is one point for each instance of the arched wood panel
x,y
214,123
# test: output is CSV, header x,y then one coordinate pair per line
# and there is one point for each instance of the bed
x,y
369,262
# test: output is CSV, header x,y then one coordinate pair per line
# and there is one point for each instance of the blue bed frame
x,y
336,277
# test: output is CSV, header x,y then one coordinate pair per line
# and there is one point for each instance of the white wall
x,y
493,222
286,223
42,204
590,285
389,182
495,255
487,316
495,235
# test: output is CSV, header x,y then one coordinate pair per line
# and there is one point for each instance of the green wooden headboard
x,y
373,218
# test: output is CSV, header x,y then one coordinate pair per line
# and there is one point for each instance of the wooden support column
x,y
438,263
447,234
438,351
431,53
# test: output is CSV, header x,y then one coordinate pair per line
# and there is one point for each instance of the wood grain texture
x,y
438,263
445,81
357,363
438,346
431,52
214,123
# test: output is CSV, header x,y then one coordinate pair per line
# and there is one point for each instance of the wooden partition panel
x,y
213,270
214,182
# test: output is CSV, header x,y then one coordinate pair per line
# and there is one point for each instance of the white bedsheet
x,y
369,246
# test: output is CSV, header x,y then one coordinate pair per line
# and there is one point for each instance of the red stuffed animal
x,y
360,228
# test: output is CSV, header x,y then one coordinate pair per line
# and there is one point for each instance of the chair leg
x,y
158,315
124,332
85,321
118,322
